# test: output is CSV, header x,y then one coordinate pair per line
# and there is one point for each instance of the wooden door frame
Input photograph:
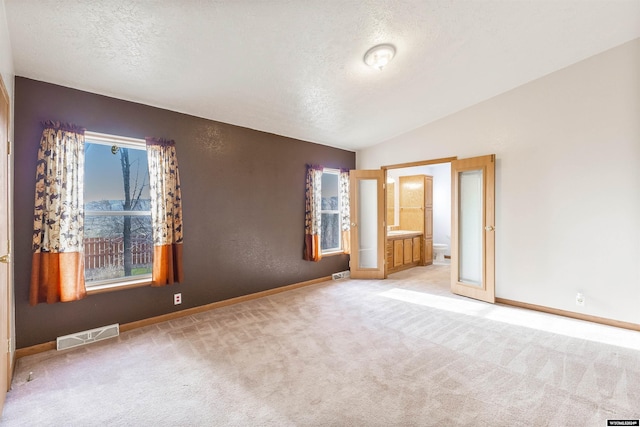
x,y
7,246
418,163
386,168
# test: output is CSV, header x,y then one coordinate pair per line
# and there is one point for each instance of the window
x,y
330,231
118,245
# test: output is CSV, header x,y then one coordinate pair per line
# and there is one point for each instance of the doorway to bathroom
x,y
458,208
401,207
472,225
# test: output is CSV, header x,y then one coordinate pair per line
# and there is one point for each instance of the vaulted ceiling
x,y
295,67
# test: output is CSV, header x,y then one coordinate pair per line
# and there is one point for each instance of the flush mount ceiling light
x,y
379,56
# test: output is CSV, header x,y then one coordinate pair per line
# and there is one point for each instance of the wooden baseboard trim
x,y
195,310
35,349
571,314
51,345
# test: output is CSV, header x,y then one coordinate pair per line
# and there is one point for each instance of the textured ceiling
x,y
295,68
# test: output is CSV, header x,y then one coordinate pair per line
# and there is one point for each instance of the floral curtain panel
x,y
345,210
57,267
313,214
166,212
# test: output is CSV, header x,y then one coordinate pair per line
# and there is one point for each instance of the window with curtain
x,y
327,216
116,222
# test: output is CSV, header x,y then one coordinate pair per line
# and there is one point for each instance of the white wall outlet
x,y
580,299
177,299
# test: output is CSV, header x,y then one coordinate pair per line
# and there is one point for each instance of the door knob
x,y
353,224
5,258
489,228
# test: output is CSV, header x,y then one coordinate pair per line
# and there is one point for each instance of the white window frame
x,y
339,249
98,286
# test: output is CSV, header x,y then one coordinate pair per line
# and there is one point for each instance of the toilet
x,y
438,253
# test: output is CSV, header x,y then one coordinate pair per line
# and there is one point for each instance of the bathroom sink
x,y
400,232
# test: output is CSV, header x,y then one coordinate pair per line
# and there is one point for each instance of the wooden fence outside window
x,y
101,252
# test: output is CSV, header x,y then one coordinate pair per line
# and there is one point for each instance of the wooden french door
x,y
367,224
5,259
473,227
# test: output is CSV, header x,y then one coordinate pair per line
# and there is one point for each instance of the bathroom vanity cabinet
x,y
410,240
416,210
404,250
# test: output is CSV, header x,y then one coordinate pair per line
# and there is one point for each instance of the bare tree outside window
x,y
130,203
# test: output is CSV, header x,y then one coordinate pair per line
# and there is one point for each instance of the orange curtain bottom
x,y
312,248
167,265
346,241
57,277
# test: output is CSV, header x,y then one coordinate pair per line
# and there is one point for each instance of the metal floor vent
x,y
86,337
341,275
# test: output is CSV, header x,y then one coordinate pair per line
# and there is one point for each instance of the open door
x,y
367,224
472,227
5,258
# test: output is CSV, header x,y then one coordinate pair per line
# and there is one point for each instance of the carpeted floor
x,y
399,352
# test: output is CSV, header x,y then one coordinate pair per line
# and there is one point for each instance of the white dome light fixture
x,y
379,56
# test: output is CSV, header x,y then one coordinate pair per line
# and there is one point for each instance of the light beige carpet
x,y
399,352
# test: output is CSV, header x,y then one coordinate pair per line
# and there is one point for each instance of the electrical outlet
x,y
580,299
177,299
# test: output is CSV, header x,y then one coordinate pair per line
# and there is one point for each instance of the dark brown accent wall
x,y
243,207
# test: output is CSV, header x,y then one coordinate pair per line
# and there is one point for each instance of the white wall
x,y
567,181
441,203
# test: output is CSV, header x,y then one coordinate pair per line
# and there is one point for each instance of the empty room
x,y
320,213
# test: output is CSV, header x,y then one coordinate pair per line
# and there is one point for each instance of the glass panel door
x,y
472,228
367,224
